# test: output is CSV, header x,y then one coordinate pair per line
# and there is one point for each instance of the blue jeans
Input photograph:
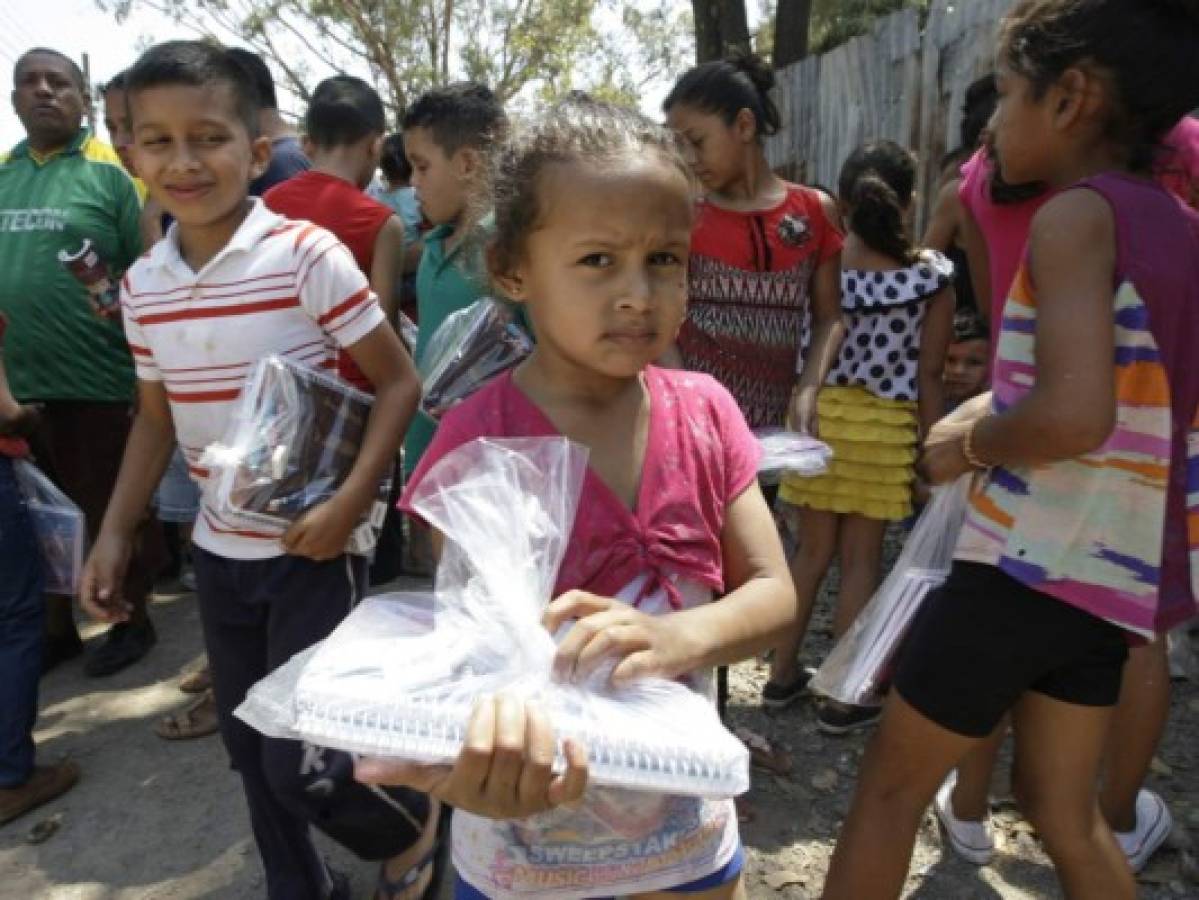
x,y
22,621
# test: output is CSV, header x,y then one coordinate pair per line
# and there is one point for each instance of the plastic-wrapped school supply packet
x,y
860,664
401,675
470,348
790,453
60,527
290,445
408,332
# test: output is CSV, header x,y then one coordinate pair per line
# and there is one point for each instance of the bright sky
x,y
75,27
78,26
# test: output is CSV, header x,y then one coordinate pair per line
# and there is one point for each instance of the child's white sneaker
x,y
972,841
1154,824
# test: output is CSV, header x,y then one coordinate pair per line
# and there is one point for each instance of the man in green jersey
x,y
62,189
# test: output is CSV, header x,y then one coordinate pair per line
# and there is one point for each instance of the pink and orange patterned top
x,y
1114,532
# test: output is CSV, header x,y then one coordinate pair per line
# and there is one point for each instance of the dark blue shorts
x,y
727,873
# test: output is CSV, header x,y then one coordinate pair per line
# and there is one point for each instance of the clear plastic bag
x,y
790,453
60,526
408,332
860,664
470,348
290,445
400,676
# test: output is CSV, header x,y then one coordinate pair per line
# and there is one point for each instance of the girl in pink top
x,y
592,229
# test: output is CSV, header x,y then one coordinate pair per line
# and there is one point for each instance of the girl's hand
x,y
803,410
20,419
607,630
505,768
943,458
322,532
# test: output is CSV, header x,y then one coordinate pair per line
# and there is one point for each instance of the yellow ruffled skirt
x,y
874,451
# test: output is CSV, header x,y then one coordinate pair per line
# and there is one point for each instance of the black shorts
x,y
983,638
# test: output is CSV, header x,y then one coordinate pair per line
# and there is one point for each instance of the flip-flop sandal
x,y
194,721
197,682
392,889
764,753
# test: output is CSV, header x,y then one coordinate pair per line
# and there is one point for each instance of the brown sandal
x,y
194,721
197,682
765,753
46,783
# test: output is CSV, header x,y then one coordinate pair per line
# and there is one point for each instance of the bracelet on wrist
x,y
968,449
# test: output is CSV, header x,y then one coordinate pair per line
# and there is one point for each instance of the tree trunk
x,y
720,28
792,24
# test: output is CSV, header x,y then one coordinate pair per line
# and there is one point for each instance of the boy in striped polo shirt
x,y
231,283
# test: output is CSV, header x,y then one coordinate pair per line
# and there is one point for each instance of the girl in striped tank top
x,y
1082,535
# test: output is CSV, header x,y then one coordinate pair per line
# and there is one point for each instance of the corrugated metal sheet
x,y
893,82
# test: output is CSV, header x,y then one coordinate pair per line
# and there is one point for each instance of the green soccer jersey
x,y
56,347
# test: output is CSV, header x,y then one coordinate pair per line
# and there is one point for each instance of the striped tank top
x,y
1114,532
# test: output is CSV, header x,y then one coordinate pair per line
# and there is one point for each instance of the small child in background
x,y
881,396
1075,543
448,133
343,132
967,360
593,220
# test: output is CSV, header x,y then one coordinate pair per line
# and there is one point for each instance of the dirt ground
x,y
153,819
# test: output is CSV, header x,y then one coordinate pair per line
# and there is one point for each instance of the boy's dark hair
x,y
264,81
463,114
876,184
1146,47
393,161
727,86
76,72
343,110
116,83
968,325
590,131
196,64
977,109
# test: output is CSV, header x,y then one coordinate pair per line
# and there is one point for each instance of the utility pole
x,y
91,100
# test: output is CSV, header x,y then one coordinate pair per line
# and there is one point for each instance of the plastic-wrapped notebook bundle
x,y
291,444
470,348
791,453
60,527
860,665
400,676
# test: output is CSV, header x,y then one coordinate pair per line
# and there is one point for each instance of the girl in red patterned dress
x,y
765,253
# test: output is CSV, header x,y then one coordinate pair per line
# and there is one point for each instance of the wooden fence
x,y
895,82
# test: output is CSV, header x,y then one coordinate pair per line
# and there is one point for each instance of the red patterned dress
x,y
748,286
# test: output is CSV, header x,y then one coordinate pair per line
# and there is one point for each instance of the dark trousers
x,y
22,618
80,445
256,615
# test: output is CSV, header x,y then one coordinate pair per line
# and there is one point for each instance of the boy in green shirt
x,y
447,132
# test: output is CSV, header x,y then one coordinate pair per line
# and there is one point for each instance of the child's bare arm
x,y
323,531
943,225
147,454
935,336
828,330
387,266
1071,408
760,604
979,258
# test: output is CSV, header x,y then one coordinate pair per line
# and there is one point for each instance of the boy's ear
x,y
468,162
260,156
308,146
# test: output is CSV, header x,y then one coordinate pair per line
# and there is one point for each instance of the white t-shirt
x,y
279,287
617,842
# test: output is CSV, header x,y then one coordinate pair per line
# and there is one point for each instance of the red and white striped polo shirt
x,y
278,287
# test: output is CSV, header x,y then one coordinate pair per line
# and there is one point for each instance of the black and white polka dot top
x,y
883,313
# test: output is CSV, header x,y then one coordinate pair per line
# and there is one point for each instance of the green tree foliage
x,y
520,48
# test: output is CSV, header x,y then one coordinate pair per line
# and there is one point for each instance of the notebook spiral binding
x,y
419,731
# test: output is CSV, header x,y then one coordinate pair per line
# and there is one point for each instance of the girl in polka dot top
x,y
882,393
